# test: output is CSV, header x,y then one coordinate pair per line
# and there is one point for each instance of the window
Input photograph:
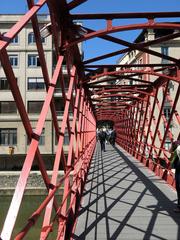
x,y
8,107
59,105
8,136
66,138
15,40
170,86
167,144
13,60
167,112
140,62
41,139
130,82
35,106
36,83
33,60
32,40
4,85
165,51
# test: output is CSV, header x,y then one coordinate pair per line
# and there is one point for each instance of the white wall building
x,y
170,48
25,62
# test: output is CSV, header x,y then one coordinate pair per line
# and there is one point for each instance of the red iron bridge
x,y
127,192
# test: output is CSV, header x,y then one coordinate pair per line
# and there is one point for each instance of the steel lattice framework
x,y
136,110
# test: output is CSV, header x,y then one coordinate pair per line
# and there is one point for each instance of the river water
x,y
28,206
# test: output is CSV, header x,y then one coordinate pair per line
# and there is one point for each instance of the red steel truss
x,y
95,93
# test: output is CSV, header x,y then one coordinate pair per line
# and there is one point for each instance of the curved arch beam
x,y
123,90
108,86
119,78
176,79
129,27
148,15
100,33
120,95
111,105
137,45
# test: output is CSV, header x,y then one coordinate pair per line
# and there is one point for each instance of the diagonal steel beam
x,y
135,46
75,3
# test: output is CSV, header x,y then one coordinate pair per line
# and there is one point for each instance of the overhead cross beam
x,y
75,3
132,95
133,46
146,15
129,65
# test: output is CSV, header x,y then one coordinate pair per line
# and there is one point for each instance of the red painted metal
x,y
118,72
75,3
96,92
132,46
147,15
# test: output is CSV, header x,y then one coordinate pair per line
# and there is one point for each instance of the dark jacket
x,y
102,136
113,134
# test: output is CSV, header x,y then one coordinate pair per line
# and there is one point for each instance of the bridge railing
x,y
147,130
141,123
81,131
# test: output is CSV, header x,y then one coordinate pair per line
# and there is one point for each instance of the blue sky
x,y
96,47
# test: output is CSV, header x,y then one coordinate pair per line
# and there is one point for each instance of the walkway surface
x,y
125,200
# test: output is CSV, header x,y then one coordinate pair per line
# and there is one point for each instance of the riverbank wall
x,y
35,184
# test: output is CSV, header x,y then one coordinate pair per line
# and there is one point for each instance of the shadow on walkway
x,y
124,200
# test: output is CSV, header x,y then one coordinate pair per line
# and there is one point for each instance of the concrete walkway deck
x,y
125,200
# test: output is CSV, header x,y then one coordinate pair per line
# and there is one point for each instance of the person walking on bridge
x,y
113,137
102,139
175,163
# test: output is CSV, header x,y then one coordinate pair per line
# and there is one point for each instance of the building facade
x,y
26,66
169,48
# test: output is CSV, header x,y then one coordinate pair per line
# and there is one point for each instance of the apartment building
x,y
25,62
169,48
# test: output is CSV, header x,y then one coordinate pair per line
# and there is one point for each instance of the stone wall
x,y
35,184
